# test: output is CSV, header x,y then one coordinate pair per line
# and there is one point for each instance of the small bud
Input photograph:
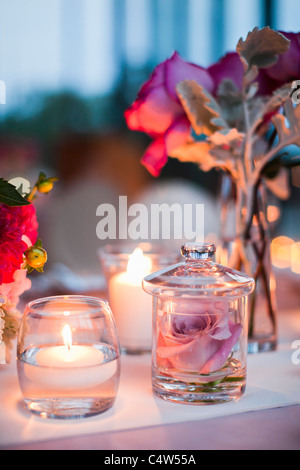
x,y
36,257
45,186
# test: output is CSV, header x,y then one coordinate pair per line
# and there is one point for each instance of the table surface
x,y
266,417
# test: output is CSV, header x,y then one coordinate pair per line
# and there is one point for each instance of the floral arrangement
x,y
216,117
21,252
239,115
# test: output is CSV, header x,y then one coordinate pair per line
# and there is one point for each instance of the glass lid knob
x,y
196,251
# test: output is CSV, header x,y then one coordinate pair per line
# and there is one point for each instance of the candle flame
x,y
139,265
67,336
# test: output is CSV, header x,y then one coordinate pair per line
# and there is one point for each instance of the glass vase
x,y
246,246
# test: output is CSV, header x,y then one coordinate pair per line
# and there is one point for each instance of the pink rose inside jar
x,y
199,349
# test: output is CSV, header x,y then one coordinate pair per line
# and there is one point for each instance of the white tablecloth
x,y
273,381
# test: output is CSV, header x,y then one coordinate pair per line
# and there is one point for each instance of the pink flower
x,y
199,342
158,112
287,67
228,67
18,229
13,290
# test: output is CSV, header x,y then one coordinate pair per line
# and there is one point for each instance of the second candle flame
x,y
139,265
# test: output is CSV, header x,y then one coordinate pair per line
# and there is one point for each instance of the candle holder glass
x,y
68,357
199,352
124,266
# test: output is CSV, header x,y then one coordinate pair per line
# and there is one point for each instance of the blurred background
x,y
71,68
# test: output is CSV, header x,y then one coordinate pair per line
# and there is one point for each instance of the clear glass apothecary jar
x,y
199,348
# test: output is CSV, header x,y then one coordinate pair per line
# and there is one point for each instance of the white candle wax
x,y
132,309
79,367
75,356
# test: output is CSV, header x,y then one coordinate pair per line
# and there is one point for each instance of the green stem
x,y
31,194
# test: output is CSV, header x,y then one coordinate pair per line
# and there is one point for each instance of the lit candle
x,y
70,366
69,355
131,306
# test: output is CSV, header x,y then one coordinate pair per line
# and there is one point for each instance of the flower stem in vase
x,y
249,250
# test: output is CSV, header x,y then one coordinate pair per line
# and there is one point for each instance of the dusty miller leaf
x,y
232,140
262,47
288,135
278,98
198,153
201,108
194,152
251,74
231,103
260,106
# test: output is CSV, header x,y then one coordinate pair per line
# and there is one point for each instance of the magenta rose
x,y
158,112
285,70
287,67
228,67
199,342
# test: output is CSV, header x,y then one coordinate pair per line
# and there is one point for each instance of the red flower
x,y
18,229
158,112
28,222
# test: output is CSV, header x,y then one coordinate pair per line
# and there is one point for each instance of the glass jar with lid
x,y
199,344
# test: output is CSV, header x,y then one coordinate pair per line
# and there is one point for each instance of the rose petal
x,y
155,157
201,354
177,134
157,79
220,356
266,85
154,113
287,67
178,70
185,354
230,66
221,330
